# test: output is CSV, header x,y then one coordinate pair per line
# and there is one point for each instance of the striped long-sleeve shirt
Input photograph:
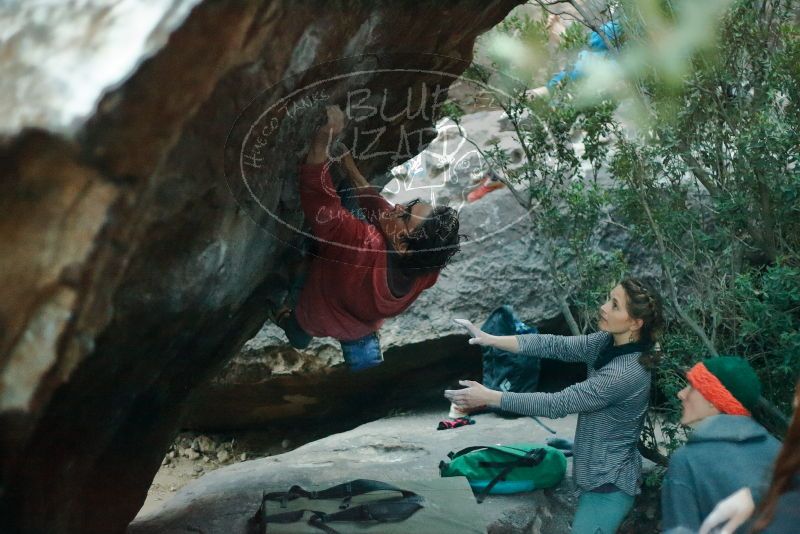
x,y
611,404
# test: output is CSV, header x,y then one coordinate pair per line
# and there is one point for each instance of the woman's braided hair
x,y
645,303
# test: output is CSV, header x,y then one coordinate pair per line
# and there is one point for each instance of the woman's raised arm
x,y
566,348
479,337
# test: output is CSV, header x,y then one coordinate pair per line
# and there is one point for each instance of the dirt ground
x,y
193,454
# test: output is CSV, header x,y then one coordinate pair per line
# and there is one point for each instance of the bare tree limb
x,y
585,17
697,169
561,297
527,204
691,323
574,329
652,454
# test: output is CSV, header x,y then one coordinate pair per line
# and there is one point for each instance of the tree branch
x,y
561,297
652,454
522,202
691,323
697,169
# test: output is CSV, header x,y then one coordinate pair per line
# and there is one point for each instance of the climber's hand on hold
x,y
318,153
334,125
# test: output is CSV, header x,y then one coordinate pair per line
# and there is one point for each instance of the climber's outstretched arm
x,y
318,153
369,199
356,178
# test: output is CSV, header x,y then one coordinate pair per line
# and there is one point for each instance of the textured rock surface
x,y
404,447
302,390
58,57
128,273
221,501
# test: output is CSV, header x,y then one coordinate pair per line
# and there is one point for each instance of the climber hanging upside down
x,y
372,259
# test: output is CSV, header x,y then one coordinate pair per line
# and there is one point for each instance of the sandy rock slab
x,y
406,447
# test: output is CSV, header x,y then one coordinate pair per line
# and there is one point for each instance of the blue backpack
x,y
503,370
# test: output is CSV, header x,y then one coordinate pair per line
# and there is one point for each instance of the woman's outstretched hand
x,y
474,395
479,337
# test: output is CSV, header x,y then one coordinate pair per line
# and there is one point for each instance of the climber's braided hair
x,y
433,243
645,303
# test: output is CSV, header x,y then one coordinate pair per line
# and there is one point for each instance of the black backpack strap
x,y
537,455
453,455
358,487
348,489
383,510
392,509
388,509
345,491
525,461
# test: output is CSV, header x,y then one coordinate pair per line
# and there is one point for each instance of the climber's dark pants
x,y
359,354
298,337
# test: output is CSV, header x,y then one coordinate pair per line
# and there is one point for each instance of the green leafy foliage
x,y
708,188
717,170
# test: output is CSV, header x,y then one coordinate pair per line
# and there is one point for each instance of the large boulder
x,y
406,447
400,448
129,273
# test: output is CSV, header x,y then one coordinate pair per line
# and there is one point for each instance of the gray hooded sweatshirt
x,y
723,454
